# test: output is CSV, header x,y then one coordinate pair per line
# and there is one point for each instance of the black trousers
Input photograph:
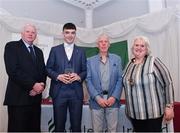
x,y
149,125
24,118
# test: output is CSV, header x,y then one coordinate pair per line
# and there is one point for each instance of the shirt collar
x,y
101,57
69,45
27,45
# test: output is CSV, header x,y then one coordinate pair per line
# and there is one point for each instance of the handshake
x,y
68,78
38,88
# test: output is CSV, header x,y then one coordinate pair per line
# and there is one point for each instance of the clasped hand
x,y
37,89
106,103
68,78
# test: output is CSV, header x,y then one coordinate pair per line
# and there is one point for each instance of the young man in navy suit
x,y
26,80
66,66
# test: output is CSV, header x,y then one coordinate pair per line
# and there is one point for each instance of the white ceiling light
x,y
87,4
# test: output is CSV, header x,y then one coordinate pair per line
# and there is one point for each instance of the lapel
x,y
24,48
75,52
111,63
75,57
37,54
112,66
97,65
62,55
25,51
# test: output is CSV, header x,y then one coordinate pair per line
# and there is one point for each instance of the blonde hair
x,y
146,42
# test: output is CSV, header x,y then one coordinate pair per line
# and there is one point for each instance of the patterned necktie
x,y
32,53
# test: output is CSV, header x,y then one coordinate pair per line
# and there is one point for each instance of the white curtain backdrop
x,y
162,28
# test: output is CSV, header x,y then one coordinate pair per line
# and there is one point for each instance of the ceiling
x,y
104,12
87,4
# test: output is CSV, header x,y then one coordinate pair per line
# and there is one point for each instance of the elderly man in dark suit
x,y
26,80
66,66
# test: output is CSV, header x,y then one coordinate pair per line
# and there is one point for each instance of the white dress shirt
x,y
69,50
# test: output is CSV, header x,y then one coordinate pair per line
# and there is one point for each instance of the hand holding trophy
x,y
68,72
66,77
71,75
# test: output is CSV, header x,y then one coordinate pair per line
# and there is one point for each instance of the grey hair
x,y
28,24
103,35
146,42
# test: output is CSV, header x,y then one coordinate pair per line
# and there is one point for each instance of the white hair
x,y
103,35
146,42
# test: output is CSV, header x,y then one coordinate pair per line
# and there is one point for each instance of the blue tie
x,y
32,53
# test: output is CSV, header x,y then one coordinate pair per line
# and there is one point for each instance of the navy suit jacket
x,y
23,73
55,66
94,80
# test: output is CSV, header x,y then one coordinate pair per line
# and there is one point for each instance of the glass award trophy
x,y
68,70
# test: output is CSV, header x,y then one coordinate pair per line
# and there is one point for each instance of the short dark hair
x,y
69,26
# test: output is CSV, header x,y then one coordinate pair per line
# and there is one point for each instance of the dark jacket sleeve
x,y
14,68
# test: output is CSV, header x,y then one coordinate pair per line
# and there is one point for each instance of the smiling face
x,y
69,35
139,48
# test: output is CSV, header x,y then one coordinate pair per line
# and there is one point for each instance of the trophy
x,y
68,70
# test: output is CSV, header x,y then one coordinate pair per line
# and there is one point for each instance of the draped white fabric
x,y
162,28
